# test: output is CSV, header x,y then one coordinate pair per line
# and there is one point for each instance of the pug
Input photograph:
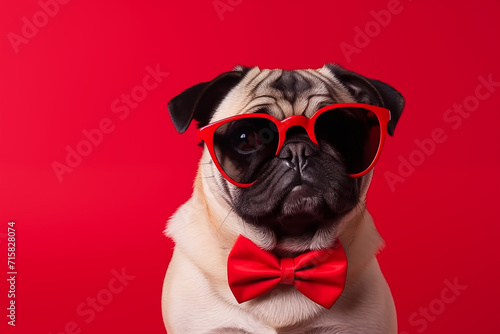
x,y
276,237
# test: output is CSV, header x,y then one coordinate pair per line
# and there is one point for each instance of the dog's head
x,y
299,193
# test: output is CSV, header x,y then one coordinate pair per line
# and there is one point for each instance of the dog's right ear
x,y
200,101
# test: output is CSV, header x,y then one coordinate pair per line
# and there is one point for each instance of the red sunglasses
x,y
241,145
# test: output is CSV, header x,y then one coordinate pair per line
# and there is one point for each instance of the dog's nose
x,y
295,152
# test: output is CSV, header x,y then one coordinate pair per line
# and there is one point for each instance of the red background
x,y
441,223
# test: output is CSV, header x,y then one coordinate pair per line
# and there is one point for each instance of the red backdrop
x,y
91,166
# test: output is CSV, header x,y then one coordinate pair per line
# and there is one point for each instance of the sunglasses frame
x,y
206,133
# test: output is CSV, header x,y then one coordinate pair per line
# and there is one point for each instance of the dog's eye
x,y
245,140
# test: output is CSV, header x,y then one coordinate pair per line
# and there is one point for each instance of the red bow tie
x,y
319,275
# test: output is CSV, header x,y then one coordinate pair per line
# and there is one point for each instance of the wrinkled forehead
x,y
282,93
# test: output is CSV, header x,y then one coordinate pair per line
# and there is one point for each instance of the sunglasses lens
x,y
242,146
353,132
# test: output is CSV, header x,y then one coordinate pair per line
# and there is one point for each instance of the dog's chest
x,y
283,307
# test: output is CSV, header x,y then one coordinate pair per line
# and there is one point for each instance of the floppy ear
x,y
200,101
371,91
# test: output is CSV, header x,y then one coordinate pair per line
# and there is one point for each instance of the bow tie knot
x,y
319,275
287,271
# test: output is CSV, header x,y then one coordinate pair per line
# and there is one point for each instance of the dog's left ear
x,y
200,101
371,91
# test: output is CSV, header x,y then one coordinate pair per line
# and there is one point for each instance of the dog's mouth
x,y
298,215
302,199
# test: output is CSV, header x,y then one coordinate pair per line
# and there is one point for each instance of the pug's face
x,y
303,192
